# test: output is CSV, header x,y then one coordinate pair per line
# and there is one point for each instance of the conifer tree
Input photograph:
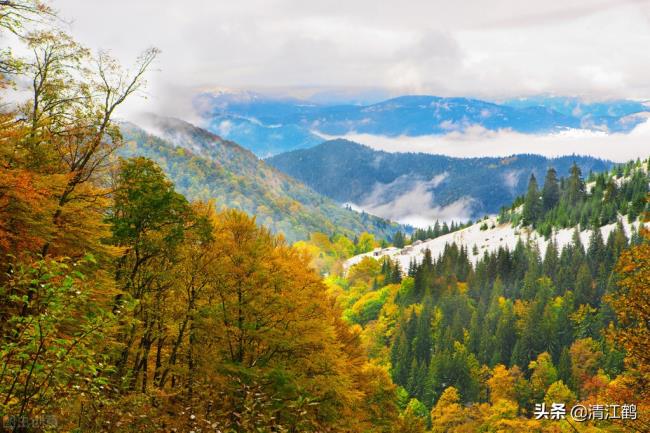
x,y
532,204
398,239
575,188
584,286
550,191
436,229
596,250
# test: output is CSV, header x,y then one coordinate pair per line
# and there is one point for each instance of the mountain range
x,y
271,125
204,167
419,188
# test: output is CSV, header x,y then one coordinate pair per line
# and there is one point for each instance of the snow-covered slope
x,y
497,235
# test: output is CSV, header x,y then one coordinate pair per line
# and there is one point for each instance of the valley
x,y
417,188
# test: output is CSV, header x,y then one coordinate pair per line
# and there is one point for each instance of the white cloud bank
x,y
477,141
412,201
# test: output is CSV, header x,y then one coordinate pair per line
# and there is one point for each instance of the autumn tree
x,y
148,221
85,144
55,151
502,384
55,148
15,15
53,357
448,412
543,375
632,306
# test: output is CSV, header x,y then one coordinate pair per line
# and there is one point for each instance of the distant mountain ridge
x,y
270,125
204,167
400,186
573,106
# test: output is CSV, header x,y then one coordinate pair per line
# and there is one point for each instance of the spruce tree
x,y
575,188
596,250
551,261
423,343
436,229
551,191
532,205
398,239
401,357
396,273
584,286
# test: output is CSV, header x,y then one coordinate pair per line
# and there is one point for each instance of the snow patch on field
x,y
490,240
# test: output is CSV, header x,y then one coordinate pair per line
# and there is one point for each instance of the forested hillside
x,y
570,201
205,167
350,172
124,307
475,347
470,336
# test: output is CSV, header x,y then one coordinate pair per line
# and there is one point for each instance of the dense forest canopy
x,y
506,330
124,306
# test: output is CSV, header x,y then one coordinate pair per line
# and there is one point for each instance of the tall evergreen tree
x,y
532,204
398,239
584,285
575,188
596,250
550,191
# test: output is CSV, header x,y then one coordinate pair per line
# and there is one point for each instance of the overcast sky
x,y
481,48
490,49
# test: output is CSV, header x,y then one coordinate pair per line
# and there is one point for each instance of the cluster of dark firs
x,y
570,201
420,234
542,326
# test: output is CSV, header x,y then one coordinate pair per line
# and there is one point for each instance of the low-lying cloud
x,y
476,141
511,179
412,201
